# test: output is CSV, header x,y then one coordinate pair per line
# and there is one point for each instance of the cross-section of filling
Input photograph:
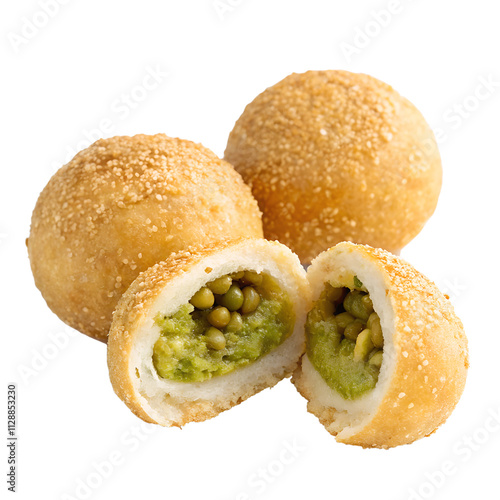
x,y
229,323
344,340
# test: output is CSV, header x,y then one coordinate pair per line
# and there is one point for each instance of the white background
x,y
64,81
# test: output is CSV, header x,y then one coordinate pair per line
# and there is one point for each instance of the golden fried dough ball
x,y
333,156
121,206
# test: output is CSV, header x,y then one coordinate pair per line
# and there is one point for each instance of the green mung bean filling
x,y
344,339
227,324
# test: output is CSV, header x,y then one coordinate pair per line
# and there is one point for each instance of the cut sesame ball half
x,y
206,329
386,358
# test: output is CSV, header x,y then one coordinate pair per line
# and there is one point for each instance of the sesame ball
x,y
119,207
333,156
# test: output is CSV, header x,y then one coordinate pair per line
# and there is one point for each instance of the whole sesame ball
x,y
121,206
333,156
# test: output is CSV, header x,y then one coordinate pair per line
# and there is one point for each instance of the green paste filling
x,y
230,323
344,340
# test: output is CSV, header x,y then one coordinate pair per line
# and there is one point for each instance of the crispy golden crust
x,y
431,358
333,156
119,207
135,305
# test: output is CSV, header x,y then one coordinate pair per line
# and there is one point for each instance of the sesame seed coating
x,y
333,156
119,207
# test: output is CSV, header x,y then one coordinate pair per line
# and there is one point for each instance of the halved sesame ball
x,y
166,363
423,351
